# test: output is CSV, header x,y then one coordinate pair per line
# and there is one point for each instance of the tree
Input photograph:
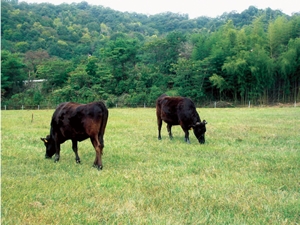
x,y
289,67
189,78
12,73
22,46
121,54
278,35
219,82
55,71
91,67
237,70
165,51
33,59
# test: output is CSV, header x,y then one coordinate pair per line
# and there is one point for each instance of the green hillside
x,y
81,52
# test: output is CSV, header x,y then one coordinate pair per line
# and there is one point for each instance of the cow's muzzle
x,y
47,157
201,140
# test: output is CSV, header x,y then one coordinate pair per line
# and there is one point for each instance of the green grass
x,y
247,172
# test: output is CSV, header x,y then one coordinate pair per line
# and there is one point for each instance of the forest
x,y
80,52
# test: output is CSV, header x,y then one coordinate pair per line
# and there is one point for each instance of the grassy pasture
x,y
248,172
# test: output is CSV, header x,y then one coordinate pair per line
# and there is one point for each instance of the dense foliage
x,y
80,52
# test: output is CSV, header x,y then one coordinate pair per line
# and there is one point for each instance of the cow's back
x,y
187,112
60,115
177,110
78,121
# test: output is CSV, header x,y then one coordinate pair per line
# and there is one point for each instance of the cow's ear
x,y
196,124
44,140
204,121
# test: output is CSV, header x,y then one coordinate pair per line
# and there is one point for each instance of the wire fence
x,y
215,104
26,107
43,107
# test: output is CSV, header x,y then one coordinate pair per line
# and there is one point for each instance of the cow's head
x,y
50,146
199,131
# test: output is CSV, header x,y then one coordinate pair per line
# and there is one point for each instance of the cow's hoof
x,y
78,161
98,167
56,158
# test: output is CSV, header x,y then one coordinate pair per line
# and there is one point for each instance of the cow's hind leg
x,y
159,124
99,151
169,128
75,150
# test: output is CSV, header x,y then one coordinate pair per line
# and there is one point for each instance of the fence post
x,y
5,107
215,104
249,105
295,105
38,107
22,107
144,105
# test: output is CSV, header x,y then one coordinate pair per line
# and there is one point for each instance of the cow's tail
x,y
103,124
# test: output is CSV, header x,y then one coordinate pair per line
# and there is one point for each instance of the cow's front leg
x,y
75,150
186,136
169,128
57,153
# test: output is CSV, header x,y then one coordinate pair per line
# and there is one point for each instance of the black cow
x,y
179,111
77,122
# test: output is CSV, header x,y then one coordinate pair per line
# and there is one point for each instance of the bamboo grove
x,y
83,53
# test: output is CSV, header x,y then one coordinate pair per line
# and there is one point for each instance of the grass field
x,y
247,172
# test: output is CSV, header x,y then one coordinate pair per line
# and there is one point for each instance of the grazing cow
x,y
77,122
179,111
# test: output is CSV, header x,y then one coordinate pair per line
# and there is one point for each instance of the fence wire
x,y
213,104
